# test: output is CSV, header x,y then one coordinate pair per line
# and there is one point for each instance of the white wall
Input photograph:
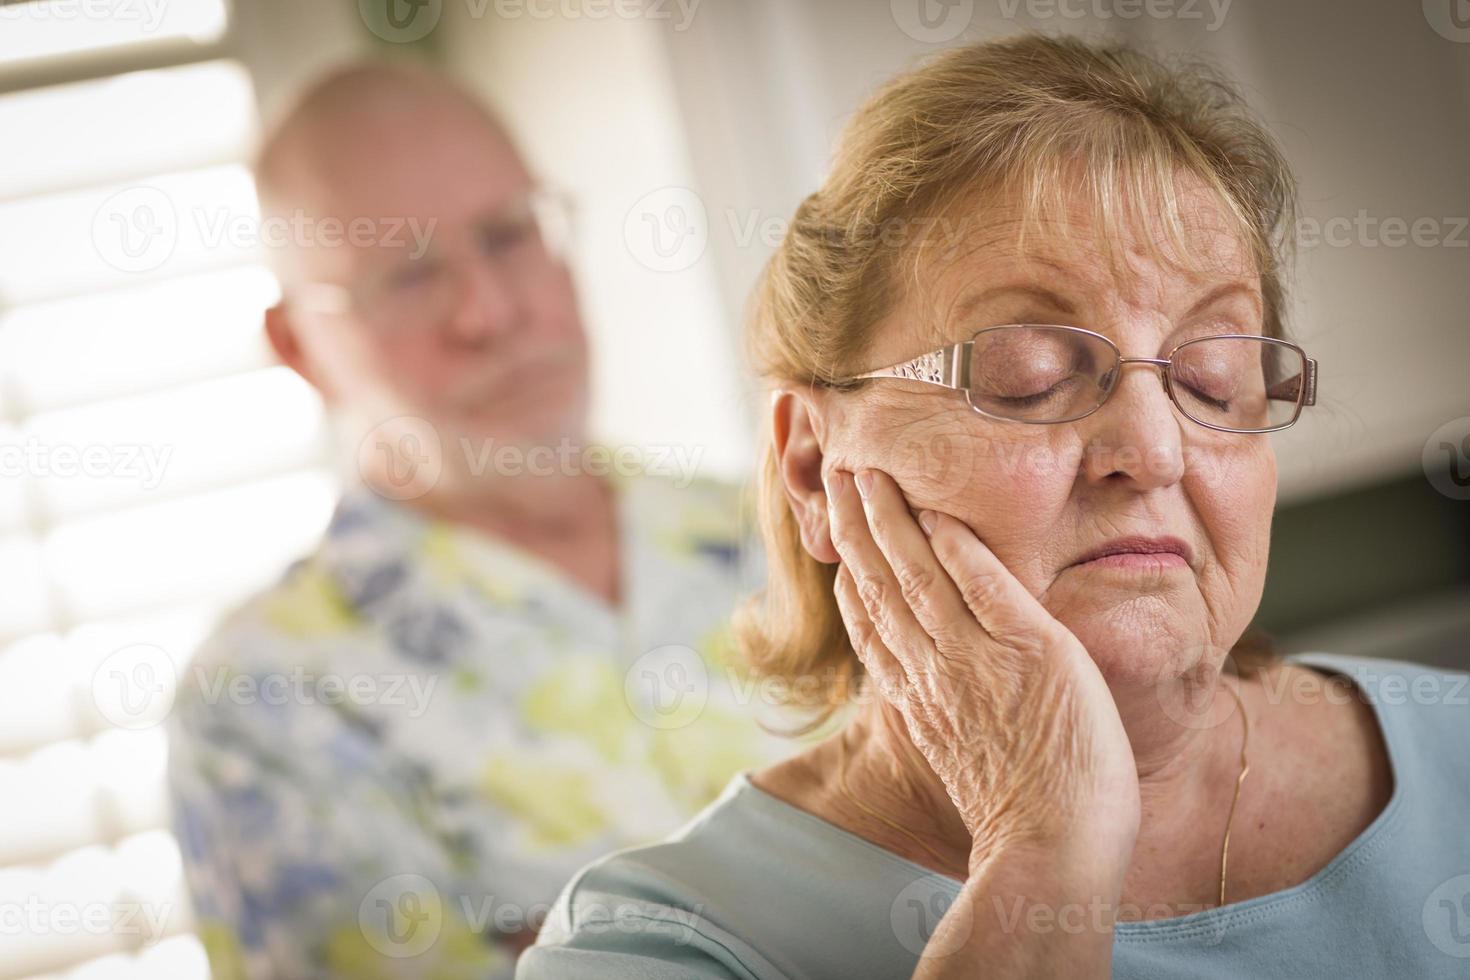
x,y
592,103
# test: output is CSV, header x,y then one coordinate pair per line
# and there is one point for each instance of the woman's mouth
x,y
1138,553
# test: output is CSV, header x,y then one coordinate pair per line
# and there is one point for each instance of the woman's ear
x,y
797,441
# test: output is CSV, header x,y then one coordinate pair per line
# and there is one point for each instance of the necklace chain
x,y
1245,767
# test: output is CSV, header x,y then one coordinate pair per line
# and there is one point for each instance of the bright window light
x,y
177,958
36,688
125,233
50,804
27,607
14,482
141,123
73,351
51,28
196,437
226,543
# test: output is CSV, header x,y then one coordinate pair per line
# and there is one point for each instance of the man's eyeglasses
x,y
1046,374
422,285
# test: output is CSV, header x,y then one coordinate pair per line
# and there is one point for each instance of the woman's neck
x,y
1185,772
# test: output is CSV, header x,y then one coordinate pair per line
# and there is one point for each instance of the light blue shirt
x,y
756,888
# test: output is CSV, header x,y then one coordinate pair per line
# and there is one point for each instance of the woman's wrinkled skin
x,y
1028,703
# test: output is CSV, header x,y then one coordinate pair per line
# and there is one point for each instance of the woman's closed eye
x,y
1223,404
1054,391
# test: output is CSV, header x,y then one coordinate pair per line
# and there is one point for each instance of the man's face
x,y
460,313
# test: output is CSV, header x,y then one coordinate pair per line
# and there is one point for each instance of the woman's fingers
x,y
924,583
994,596
877,589
882,667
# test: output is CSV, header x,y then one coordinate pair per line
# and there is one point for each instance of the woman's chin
x,y
1140,653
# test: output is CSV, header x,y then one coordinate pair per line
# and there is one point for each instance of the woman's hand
x,y
1000,698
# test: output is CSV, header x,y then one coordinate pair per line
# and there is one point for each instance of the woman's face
x,y
1042,496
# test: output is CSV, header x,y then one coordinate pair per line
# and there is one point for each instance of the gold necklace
x,y
1229,822
842,782
1245,767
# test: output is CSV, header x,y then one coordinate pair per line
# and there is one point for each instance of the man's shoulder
x,y
701,516
689,491
286,625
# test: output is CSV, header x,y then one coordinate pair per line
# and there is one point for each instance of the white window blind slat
x,y
140,123
108,345
36,32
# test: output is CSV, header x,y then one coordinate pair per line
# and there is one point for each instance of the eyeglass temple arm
x,y
321,297
1303,385
948,367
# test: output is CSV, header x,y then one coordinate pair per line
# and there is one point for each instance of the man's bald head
x,y
401,189
346,127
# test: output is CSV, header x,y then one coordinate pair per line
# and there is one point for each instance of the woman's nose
x,y
1135,435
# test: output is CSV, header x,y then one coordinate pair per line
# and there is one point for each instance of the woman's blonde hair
x,y
1032,121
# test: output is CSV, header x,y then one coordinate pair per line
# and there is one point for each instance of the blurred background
x,y
155,466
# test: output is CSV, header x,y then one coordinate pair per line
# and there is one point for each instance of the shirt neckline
x,y
1212,920
405,527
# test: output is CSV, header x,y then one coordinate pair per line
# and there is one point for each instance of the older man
x,y
503,660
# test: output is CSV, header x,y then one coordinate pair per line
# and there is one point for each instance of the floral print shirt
x,y
389,764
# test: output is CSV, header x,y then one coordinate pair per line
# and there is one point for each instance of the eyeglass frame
x,y
949,367
340,299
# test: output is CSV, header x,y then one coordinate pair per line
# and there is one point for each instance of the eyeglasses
x,y
421,288
1046,374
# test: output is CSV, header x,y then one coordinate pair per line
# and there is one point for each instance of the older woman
x,y
1026,343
